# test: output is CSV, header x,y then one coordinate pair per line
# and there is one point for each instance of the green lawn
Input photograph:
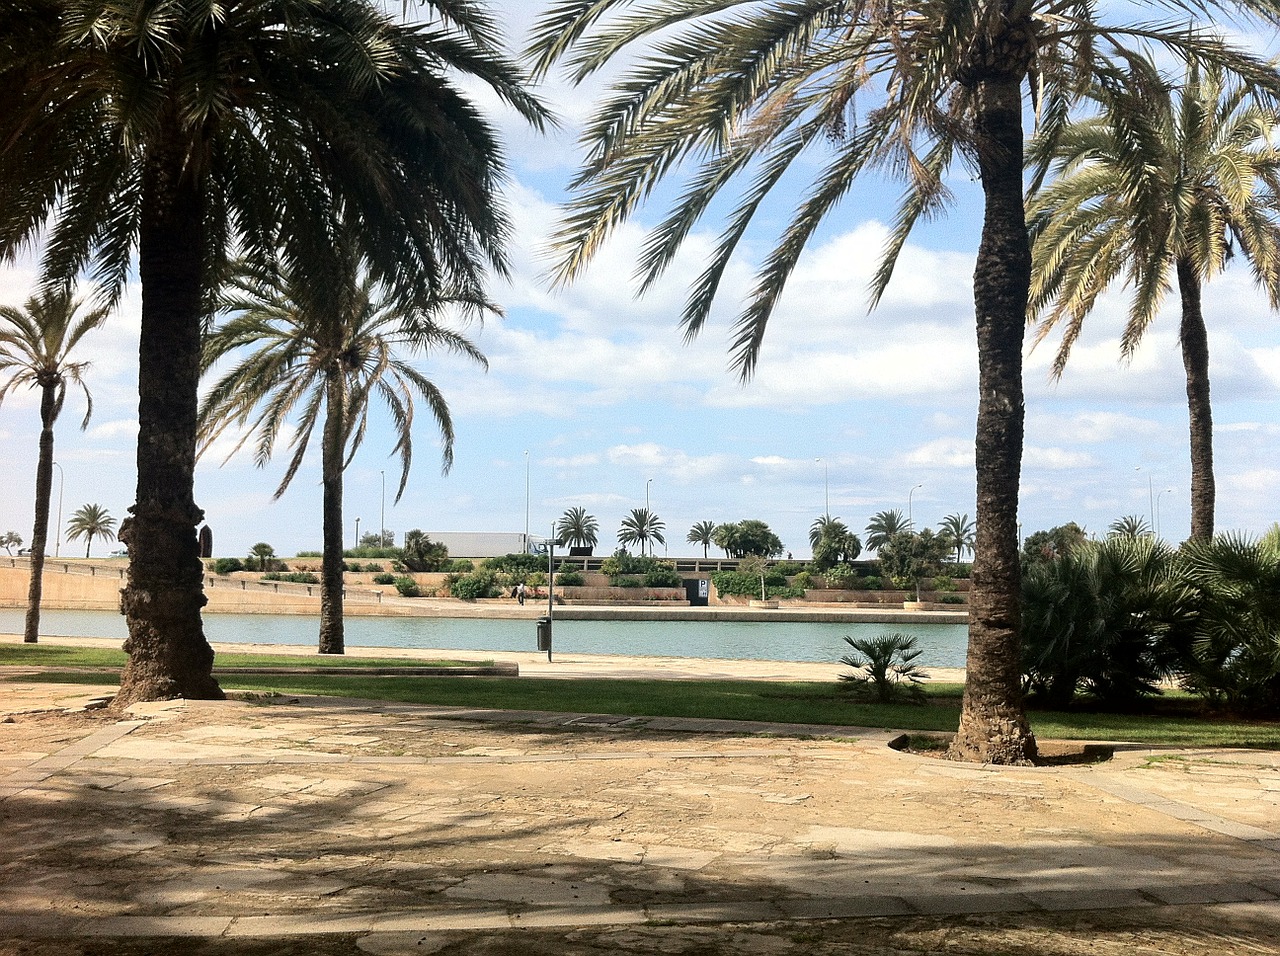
x,y
793,702
42,655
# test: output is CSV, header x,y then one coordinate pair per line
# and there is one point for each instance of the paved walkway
x,y
400,825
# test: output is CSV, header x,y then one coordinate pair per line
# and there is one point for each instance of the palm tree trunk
x,y
993,725
168,654
331,631
40,531
1195,360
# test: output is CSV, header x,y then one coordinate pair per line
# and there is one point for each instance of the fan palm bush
x,y
885,667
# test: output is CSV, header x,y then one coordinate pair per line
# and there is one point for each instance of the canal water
x,y
942,645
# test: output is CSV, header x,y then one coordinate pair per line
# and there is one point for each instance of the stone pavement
x,y
396,825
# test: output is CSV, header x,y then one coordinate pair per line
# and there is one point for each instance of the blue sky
x,y
599,390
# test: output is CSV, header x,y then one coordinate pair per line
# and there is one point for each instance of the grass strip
x,y
799,702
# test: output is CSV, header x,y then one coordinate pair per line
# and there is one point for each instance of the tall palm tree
x,y
322,359
742,89
89,522
35,347
703,533
641,527
577,529
1129,526
1162,187
883,525
958,529
193,130
826,526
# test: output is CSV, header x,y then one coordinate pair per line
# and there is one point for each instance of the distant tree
x,y
91,521
10,540
371,539
1129,526
833,543
750,536
262,557
577,529
420,553
35,344
884,525
1058,542
703,533
909,556
641,527
958,529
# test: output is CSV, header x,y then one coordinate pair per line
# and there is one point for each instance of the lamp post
x,y
1151,502
357,532
910,523
826,488
382,516
1166,491
646,512
526,501
62,482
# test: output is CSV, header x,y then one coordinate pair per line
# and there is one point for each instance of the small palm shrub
x,y
385,577
884,668
408,587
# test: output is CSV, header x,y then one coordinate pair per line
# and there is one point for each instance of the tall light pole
x,y
62,482
357,532
1151,502
382,517
526,501
646,513
910,523
1166,491
826,487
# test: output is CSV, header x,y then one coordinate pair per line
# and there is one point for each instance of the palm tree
x,y
577,529
703,533
1164,185
883,526
1129,526
958,529
825,526
35,347
641,527
91,521
198,130
742,87
322,358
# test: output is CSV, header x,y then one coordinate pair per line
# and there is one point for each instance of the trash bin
x,y
544,633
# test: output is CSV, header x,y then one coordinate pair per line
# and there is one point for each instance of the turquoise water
x,y
942,645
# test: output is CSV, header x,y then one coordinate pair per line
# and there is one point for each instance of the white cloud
x,y
1056,458
942,453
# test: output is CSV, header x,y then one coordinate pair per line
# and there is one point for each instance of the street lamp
x,y
1151,501
1166,491
62,481
826,487
646,512
382,528
910,523
526,500
357,532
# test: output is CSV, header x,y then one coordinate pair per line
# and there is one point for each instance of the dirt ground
x,y
208,817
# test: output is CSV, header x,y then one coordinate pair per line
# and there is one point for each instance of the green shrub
x,y
408,587
570,579
803,580
789,568
841,576
309,554
227,565
292,577
662,576
626,581
384,578
471,587
944,582
748,585
538,579
869,583
566,566
951,599
373,566
517,564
